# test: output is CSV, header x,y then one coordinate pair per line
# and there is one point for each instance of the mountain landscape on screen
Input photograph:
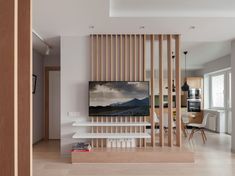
x,y
118,98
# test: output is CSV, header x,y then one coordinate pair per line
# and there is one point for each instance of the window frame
x,y
224,72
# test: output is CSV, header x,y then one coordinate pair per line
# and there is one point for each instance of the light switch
x,y
73,114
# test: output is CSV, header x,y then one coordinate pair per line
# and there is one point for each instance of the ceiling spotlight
x,y
192,27
142,27
48,49
91,27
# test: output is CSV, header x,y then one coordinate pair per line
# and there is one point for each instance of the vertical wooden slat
x,y
97,57
92,57
130,71
106,58
144,73
24,88
101,76
116,57
97,131
134,64
170,110
111,57
8,87
121,62
134,59
144,59
101,58
125,57
97,77
139,79
102,131
161,120
130,58
92,130
152,94
139,58
92,78
178,91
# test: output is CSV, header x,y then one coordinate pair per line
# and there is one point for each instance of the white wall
x,y
233,94
52,60
38,100
75,74
215,65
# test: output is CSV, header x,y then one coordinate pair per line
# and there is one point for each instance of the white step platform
x,y
87,124
111,135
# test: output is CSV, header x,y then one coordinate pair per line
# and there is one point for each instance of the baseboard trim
x,y
40,140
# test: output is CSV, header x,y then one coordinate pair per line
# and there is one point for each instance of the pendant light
x,y
185,86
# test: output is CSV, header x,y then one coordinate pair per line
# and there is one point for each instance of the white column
x,y
233,94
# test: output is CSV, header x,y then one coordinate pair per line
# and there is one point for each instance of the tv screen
x,y
118,98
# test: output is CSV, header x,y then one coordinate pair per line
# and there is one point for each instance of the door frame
x,y
46,98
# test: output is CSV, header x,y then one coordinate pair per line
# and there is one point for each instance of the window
x,y
217,89
217,95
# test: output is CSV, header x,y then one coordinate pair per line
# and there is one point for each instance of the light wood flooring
x,y
211,159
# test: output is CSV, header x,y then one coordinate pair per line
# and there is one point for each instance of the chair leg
x,y
204,134
191,134
203,138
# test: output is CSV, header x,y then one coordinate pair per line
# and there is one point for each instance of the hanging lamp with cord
x,y
185,86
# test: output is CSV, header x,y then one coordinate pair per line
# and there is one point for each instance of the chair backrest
x,y
205,117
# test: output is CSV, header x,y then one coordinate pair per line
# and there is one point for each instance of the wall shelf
x,y
100,124
111,135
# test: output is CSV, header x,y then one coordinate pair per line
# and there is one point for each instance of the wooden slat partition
x,y
122,57
170,79
161,110
117,57
152,110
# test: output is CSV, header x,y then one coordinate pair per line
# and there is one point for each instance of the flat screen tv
x,y
118,98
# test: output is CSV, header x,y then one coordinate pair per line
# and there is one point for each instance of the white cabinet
x,y
216,120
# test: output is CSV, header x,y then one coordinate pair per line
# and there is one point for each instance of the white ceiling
x,y
214,21
172,8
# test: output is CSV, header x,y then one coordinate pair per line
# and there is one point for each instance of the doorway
x,y
52,103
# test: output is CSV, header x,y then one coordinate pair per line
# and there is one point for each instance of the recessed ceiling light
x,y
142,27
91,27
192,27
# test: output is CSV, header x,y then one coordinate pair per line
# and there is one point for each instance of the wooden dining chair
x,y
199,127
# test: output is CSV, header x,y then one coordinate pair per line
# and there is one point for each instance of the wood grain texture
x,y
101,58
144,72
144,57
24,88
97,58
178,91
147,155
111,57
152,109
125,58
92,56
170,98
161,129
8,77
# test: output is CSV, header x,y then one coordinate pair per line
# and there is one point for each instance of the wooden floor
x,y
211,159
